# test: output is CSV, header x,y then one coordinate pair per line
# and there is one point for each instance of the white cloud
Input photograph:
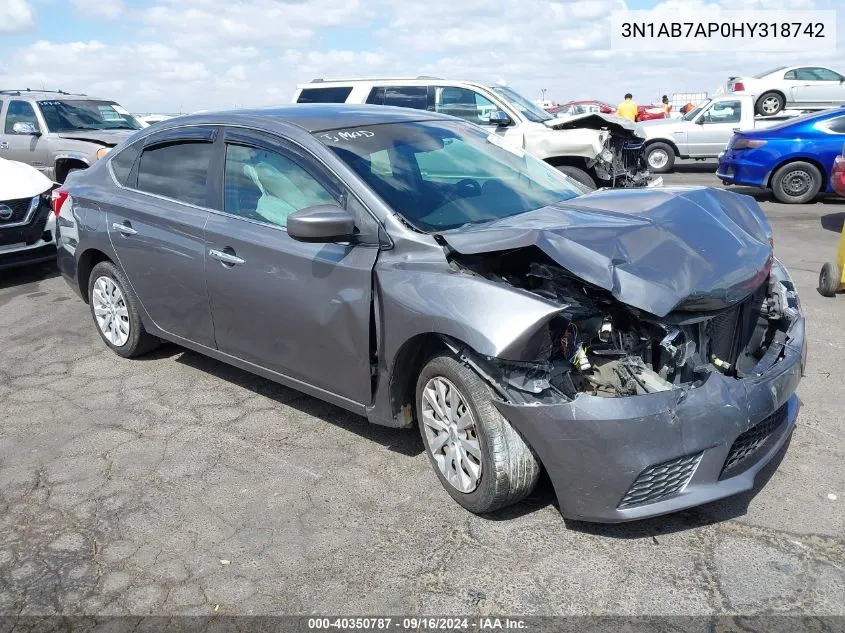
x,y
107,9
15,16
206,54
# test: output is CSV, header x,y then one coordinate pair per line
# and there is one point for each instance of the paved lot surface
x,y
176,484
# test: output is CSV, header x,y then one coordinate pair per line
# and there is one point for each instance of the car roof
x,y
391,81
312,117
53,95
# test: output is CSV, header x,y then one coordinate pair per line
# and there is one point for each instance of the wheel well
x,y
407,364
64,165
665,142
87,261
799,159
572,161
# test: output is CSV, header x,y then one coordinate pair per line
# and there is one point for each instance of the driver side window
x,y
724,112
463,103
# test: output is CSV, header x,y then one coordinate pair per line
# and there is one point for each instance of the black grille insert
x,y
747,444
661,480
18,208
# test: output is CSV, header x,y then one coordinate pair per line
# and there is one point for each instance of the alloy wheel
x,y
451,434
770,105
657,159
110,311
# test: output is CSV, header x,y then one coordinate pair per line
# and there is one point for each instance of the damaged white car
x,y
27,226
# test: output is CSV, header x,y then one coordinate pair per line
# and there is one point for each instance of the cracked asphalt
x,y
178,485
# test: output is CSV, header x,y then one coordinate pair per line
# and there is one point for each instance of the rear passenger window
x,y
324,95
177,170
837,125
406,97
121,165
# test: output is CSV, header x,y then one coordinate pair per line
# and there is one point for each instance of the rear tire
x,y
830,278
660,158
796,183
770,103
506,467
579,175
127,338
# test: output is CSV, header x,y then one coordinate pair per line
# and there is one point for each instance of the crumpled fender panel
x,y
656,249
585,142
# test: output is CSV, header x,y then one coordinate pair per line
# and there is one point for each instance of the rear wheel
x,y
114,309
796,183
830,278
770,103
480,459
578,174
660,158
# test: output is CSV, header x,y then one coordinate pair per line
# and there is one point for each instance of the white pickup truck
x,y
704,132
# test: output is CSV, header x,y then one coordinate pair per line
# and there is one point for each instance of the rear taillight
x,y
837,176
57,199
747,143
738,86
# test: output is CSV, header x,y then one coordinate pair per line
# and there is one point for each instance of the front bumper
x,y
740,168
29,244
604,454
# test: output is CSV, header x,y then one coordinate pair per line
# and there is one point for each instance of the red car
x,y
837,175
644,112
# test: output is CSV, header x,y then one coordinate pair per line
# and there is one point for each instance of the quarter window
x,y
837,125
122,164
324,95
177,170
19,112
268,187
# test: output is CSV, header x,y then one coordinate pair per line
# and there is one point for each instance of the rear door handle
x,y
124,228
225,257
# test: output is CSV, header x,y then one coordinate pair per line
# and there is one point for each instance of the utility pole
x,y
543,91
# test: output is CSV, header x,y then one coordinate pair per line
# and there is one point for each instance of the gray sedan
x,y
643,346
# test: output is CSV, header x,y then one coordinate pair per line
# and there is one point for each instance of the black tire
x,y
655,150
796,183
509,467
579,175
830,277
770,103
139,341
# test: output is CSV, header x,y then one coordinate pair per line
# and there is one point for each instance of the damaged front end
x,y
619,160
662,382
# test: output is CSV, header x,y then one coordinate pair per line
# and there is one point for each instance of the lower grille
x,y
14,211
661,480
747,444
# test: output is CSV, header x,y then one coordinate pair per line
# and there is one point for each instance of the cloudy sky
x,y
187,55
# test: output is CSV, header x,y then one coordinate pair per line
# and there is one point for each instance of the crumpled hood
x,y
597,121
657,250
19,180
106,138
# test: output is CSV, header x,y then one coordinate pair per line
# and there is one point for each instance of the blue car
x,y
793,158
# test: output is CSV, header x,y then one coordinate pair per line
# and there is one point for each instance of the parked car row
x,y
572,108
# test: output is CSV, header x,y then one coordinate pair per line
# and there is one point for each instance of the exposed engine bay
x,y
602,347
621,162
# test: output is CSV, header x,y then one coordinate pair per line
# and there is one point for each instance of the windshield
x,y
530,111
440,175
72,116
689,116
769,72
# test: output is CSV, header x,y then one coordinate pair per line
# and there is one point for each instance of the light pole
x,y
543,91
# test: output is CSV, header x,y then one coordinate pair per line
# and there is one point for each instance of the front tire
x,y
480,459
114,309
770,103
578,175
660,158
796,183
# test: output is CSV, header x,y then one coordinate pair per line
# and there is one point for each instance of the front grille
x,y
661,480
747,444
19,209
632,156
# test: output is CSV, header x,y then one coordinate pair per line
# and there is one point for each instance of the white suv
x,y
595,149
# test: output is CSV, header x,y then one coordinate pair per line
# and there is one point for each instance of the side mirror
x,y
323,223
699,120
499,118
25,127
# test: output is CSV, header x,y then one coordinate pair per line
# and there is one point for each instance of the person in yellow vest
x,y
627,109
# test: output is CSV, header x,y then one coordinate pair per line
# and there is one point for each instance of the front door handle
x,y
225,256
125,228
4,145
